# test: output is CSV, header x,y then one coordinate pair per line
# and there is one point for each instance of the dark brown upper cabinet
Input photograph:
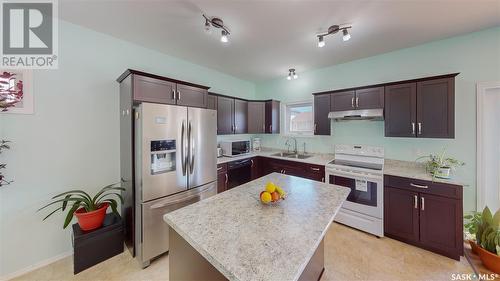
x,y
191,96
341,101
272,117
225,115
369,98
256,117
400,110
321,109
153,88
240,116
211,102
436,108
423,109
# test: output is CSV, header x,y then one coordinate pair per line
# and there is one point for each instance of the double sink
x,y
291,155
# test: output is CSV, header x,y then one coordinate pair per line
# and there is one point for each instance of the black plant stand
x,y
93,247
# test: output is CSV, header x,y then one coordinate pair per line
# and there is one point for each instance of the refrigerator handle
x,y
191,148
183,158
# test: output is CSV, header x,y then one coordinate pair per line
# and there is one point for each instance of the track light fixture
x,y
292,74
217,23
332,30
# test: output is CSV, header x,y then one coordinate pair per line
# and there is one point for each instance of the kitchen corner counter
x,y
246,240
316,158
413,170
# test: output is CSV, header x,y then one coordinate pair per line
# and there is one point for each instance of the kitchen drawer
x,y
222,168
422,186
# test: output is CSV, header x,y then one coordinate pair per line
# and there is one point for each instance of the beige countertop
x,y
316,158
255,241
413,170
406,169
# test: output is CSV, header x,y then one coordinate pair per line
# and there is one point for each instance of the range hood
x,y
360,114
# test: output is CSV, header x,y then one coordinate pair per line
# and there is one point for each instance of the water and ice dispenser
x,y
162,156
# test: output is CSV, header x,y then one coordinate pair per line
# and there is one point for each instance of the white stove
x,y
360,168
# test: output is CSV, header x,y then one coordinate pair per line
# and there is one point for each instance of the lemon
x,y
270,187
265,197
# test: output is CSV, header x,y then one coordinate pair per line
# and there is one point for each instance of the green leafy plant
x,y
436,162
4,144
75,199
485,227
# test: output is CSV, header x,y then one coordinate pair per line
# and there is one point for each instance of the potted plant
x,y
90,211
484,228
4,144
440,166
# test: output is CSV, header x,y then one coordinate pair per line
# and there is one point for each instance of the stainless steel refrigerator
x,y
175,165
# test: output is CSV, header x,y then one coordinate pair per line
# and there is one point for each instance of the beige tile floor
x,y
349,255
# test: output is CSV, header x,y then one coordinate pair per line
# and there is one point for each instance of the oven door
x,y
366,194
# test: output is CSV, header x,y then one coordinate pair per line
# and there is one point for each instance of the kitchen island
x,y
232,236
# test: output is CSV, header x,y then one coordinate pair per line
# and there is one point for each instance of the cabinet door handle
x,y
419,128
314,169
227,178
173,94
178,95
413,128
219,168
419,186
322,179
415,201
422,203
251,160
284,171
315,127
352,102
270,128
357,102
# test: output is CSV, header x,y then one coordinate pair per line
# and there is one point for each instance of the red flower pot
x,y
490,260
91,220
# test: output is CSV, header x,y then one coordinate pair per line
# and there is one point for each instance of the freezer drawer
x,y
155,229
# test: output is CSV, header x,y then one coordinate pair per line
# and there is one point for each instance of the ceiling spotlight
x,y
321,41
332,30
224,38
217,23
292,74
208,28
346,36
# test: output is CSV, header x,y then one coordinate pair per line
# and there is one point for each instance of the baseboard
x,y
36,266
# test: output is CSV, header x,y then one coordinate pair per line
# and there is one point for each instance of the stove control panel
x,y
360,150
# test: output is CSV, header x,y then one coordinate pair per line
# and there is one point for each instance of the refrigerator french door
x,y
175,152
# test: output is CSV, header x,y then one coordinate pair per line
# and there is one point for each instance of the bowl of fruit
x,y
272,194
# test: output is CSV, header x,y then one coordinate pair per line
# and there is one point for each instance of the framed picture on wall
x,y
16,93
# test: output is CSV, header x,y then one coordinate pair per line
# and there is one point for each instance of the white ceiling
x,y
268,37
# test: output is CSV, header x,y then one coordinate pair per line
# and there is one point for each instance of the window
x,y
299,118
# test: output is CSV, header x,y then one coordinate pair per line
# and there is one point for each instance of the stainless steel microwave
x,y
235,148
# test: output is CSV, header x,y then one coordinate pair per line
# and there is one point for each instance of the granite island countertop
x,y
246,240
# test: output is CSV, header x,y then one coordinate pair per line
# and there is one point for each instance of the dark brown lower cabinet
x,y
293,168
426,214
222,178
256,172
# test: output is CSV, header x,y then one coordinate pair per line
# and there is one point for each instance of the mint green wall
x,y
476,56
72,140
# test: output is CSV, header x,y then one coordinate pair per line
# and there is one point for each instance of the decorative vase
x,y
443,172
93,219
490,260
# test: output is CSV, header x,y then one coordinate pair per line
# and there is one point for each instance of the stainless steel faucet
x,y
295,144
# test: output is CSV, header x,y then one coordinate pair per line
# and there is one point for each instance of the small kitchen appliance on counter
x,y
360,168
256,144
219,152
234,148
